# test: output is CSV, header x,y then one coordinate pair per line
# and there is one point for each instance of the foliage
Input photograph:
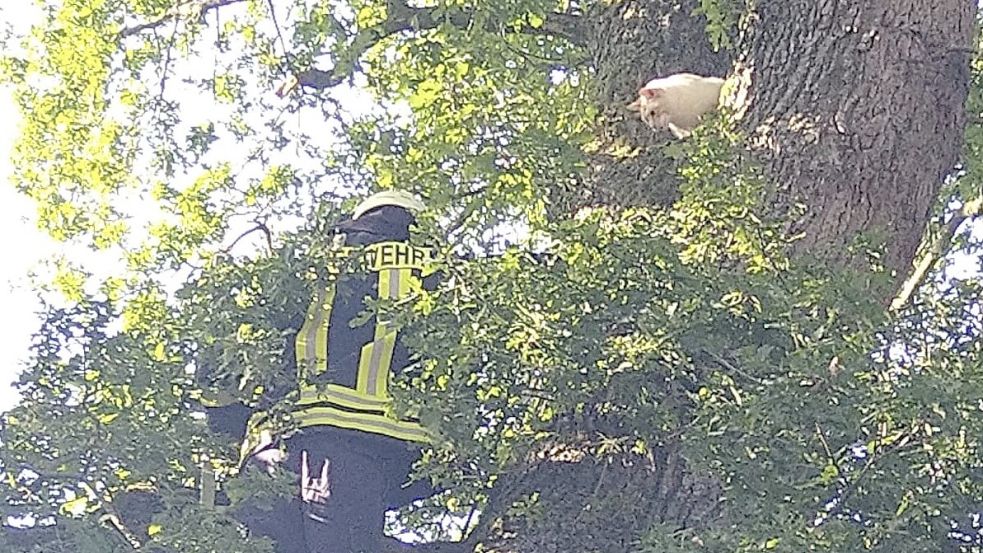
x,y
611,338
763,372
722,20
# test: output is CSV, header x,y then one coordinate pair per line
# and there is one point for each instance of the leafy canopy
x,y
613,338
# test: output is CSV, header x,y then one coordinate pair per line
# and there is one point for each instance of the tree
x,y
703,359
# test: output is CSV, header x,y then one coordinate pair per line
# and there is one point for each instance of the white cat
x,y
677,102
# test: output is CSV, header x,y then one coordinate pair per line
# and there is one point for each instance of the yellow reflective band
x,y
376,356
405,283
379,385
304,336
311,344
366,422
345,397
321,343
261,431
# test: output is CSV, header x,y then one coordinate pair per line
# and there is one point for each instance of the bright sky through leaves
x,y
25,243
25,246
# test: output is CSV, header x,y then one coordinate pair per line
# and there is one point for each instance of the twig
x,y
468,521
174,13
402,17
283,43
822,440
733,368
167,63
112,520
529,55
259,226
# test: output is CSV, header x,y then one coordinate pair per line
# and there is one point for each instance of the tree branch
x,y
402,17
567,26
259,226
936,251
184,9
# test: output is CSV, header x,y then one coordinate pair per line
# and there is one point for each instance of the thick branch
x,y
403,18
936,251
191,8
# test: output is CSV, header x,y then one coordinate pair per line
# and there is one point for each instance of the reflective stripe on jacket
x,y
344,362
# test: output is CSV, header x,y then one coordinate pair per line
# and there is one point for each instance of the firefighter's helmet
x,y
398,198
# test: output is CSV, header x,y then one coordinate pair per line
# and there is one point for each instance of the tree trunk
x,y
855,109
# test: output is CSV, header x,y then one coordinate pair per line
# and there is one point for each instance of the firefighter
x,y
350,452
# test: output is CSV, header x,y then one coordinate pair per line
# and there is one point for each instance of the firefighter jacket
x,y
344,352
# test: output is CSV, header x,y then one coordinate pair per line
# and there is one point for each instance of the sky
x,y
26,246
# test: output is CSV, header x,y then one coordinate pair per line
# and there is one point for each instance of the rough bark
x,y
856,110
586,503
608,505
630,43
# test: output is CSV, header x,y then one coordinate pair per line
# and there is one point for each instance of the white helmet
x,y
399,198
